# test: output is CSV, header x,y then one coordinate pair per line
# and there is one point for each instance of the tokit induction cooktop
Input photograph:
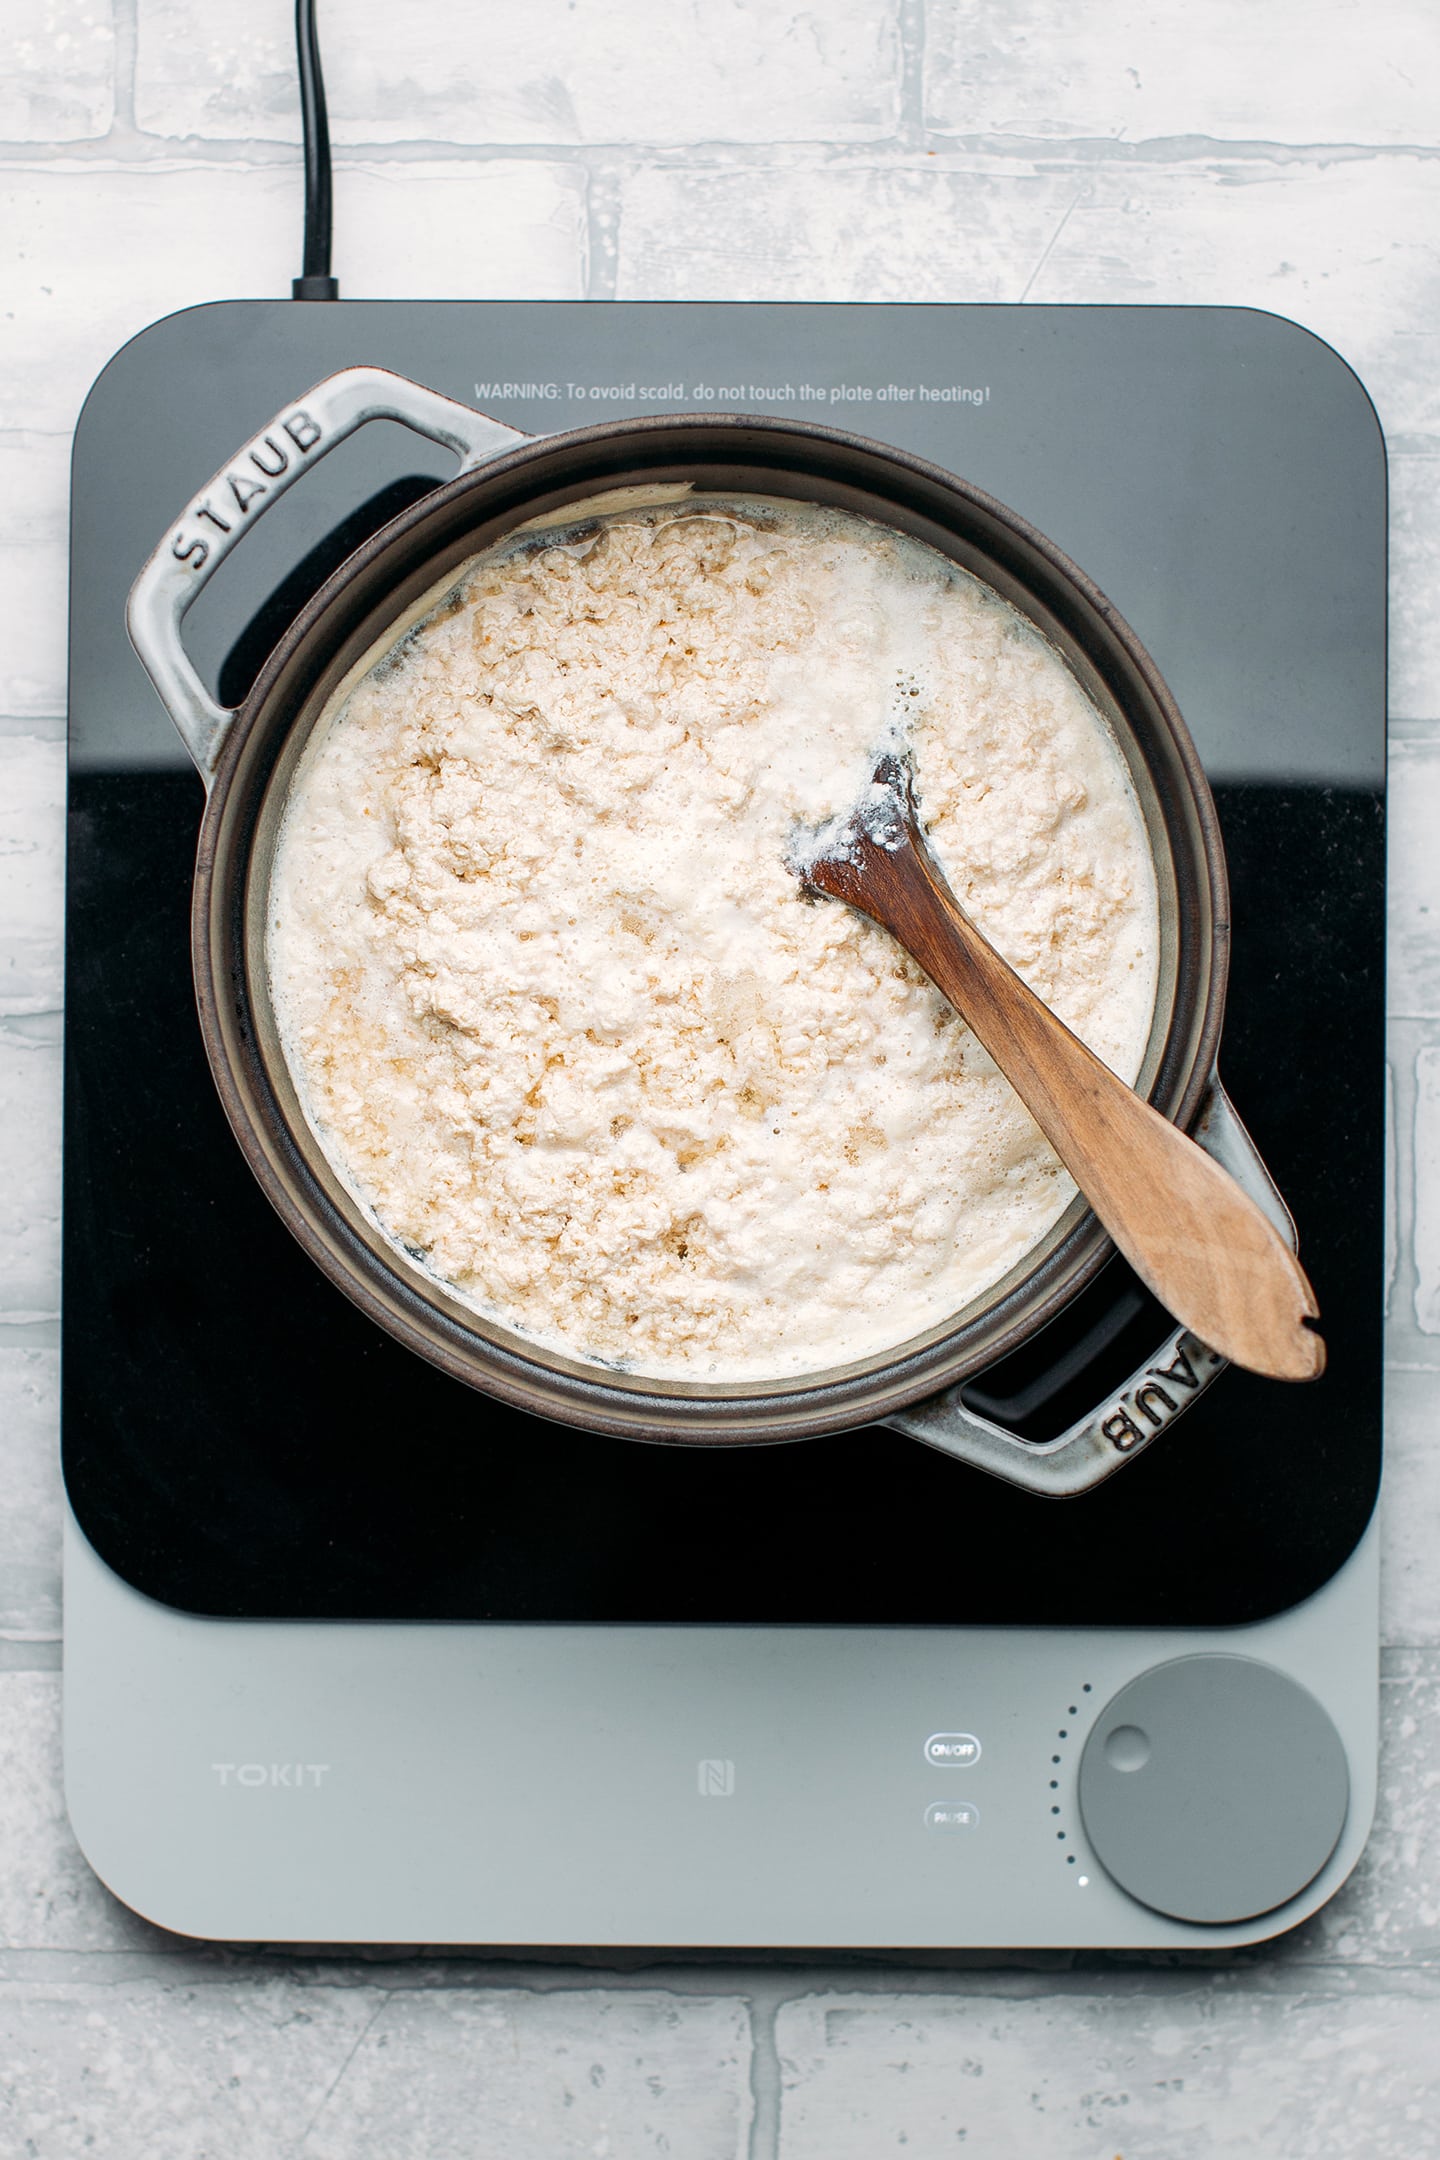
x,y
357,1653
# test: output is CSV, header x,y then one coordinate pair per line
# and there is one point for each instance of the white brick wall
x,y
195,232
1415,584
34,480
29,1160
32,799
255,2068
903,230
1190,2070
30,1518
1414,970
1427,1189
450,2071
157,2068
551,71
58,79
1410,1581
1278,155
32,810
1167,70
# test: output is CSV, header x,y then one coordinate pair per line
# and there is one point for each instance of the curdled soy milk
x,y
563,1020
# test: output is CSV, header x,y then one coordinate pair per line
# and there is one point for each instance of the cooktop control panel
x,y
735,1785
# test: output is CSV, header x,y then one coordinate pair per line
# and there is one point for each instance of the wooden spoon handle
x,y
1210,1255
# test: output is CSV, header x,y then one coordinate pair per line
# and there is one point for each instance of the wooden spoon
x,y
1209,1254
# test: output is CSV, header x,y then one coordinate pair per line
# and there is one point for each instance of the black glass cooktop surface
x,y
239,1440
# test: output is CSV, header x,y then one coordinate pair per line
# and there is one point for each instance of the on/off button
x,y
952,1750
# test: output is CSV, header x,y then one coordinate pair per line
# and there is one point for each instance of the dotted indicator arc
x,y
1057,1807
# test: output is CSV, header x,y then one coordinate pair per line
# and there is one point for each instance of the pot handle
x,y
220,515
1126,1422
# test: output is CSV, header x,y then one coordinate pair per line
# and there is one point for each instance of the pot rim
x,y
526,1376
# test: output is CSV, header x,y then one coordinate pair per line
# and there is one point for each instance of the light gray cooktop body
x,y
713,1785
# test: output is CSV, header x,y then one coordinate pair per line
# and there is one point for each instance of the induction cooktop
x,y
357,1653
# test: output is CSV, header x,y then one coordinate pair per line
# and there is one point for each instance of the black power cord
x,y
316,282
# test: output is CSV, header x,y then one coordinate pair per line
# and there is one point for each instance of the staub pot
x,y
247,757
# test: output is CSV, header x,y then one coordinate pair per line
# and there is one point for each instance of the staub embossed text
x,y
1160,1395
268,459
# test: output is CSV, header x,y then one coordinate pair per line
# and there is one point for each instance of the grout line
x,y
604,201
40,1653
47,726
36,1024
1400,1168
127,145
910,27
30,1331
395,1970
766,2079
126,41
1406,1661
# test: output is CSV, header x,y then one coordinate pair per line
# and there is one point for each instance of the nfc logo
x,y
716,1778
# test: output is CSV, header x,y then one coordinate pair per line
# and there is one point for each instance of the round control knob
x,y
1213,1788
